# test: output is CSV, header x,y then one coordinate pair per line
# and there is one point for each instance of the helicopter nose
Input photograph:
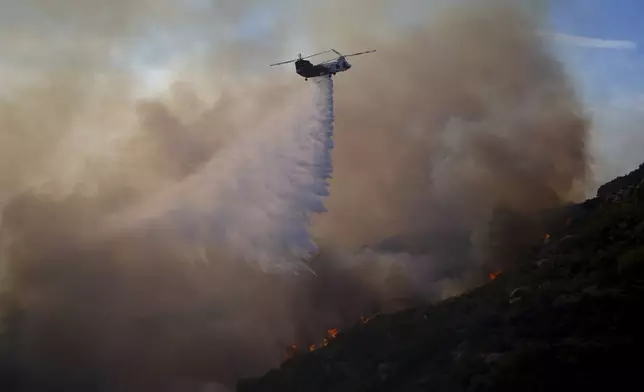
x,y
348,65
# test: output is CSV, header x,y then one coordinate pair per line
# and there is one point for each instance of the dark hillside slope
x,y
565,318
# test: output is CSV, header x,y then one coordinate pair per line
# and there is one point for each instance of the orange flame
x,y
547,237
331,334
494,275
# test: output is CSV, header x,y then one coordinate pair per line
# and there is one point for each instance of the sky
x,y
609,74
600,42
614,19
603,71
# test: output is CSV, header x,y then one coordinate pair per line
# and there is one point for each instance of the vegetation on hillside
x,y
564,316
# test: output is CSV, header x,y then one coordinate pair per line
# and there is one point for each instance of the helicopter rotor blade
x,y
309,56
348,55
359,53
283,62
317,54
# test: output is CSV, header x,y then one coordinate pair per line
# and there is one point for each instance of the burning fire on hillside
x,y
331,334
494,275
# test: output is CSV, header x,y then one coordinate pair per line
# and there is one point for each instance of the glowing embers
x,y
494,275
330,334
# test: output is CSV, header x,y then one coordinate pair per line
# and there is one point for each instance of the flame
x,y
547,237
331,334
494,275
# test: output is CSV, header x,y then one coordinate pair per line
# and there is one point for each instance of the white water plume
x,y
253,201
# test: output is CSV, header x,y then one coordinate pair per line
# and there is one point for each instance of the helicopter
x,y
307,70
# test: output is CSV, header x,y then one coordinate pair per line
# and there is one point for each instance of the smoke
x,y
255,198
467,98
134,222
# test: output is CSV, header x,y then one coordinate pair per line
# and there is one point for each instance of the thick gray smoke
x,y
253,200
475,118
129,254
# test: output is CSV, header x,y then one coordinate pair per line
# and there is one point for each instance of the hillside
x,y
565,317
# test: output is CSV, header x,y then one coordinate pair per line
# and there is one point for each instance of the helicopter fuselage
x,y
307,70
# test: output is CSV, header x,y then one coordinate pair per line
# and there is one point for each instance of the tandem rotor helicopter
x,y
307,70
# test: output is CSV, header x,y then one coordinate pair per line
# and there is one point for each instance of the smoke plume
x,y
254,199
134,221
